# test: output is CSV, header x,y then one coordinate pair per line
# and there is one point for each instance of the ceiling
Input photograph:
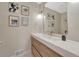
x,y
38,2
60,7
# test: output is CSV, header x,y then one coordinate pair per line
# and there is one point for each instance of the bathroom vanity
x,y
41,50
47,46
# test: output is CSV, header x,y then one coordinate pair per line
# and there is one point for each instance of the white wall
x,y
73,21
17,37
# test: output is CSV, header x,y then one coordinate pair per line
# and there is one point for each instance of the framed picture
x,y
25,10
53,17
13,21
52,24
48,16
13,7
24,21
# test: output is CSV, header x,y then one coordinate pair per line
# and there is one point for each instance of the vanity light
x,y
39,16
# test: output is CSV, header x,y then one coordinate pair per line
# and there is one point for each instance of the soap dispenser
x,y
64,36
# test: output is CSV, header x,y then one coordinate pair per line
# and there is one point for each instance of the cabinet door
x,y
35,52
44,50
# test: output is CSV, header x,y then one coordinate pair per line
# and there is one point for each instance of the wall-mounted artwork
x,y
13,7
53,17
25,10
52,24
65,20
50,16
25,21
13,21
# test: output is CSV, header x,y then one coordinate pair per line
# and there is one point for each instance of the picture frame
x,y
13,7
52,24
13,21
48,16
24,21
53,17
24,10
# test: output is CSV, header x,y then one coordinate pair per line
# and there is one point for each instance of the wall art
x,y
13,21
52,24
53,17
48,16
25,21
13,7
25,10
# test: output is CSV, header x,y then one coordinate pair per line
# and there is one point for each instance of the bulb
x,y
39,16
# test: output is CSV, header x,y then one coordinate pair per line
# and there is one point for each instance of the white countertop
x,y
66,48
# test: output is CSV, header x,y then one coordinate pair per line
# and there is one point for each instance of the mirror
x,y
55,18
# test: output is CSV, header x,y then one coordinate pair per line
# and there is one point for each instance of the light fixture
x,y
39,16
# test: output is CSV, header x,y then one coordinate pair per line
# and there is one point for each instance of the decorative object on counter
x,y
24,21
13,21
63,38
25,10
13,7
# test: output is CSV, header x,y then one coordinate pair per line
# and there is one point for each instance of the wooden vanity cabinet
x,y
41,50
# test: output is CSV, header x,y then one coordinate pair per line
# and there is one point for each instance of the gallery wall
x,y
17,38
